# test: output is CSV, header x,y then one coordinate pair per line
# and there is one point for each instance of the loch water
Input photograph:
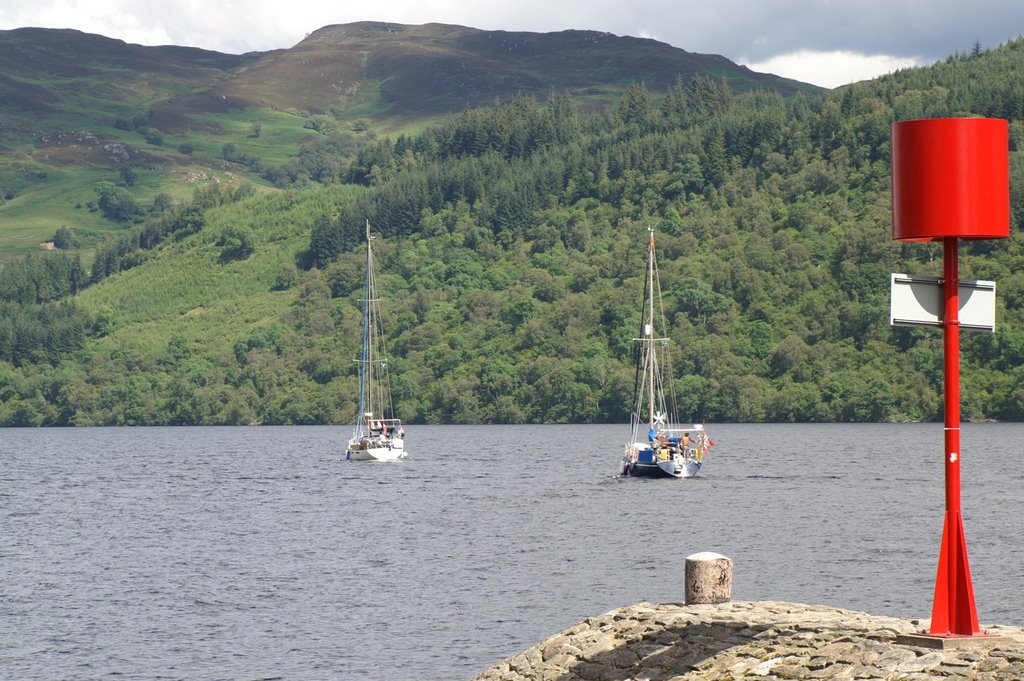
x,y
258,553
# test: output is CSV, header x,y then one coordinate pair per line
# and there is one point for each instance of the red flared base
x,y
953,611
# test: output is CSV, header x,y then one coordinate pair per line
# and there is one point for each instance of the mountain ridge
x,y
77,108
430,69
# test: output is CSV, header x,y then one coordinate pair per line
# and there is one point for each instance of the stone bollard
x,y
708,578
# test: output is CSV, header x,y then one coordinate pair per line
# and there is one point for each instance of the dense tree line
x,y
34,327
33,334
41,278
769,191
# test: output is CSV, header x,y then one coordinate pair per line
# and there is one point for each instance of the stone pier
x,y
756,640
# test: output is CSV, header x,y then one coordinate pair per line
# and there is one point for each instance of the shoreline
x,y
757,640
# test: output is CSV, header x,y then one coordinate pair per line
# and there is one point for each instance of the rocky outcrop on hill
x,y
757,640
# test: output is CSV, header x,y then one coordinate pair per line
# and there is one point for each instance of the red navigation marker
x,y
951,180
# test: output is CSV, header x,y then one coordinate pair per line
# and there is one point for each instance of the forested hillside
x,y
511,262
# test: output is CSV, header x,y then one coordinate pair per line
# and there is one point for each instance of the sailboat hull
x,y
688,469
642,462
393,450
662,469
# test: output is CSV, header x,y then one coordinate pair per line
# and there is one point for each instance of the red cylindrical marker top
x,y
950,178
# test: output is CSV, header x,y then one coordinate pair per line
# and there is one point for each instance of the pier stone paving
x,y
757,640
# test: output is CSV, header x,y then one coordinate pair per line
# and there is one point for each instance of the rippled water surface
x,y
249,553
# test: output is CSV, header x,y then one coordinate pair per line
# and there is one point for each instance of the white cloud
x,y
831,69
103,17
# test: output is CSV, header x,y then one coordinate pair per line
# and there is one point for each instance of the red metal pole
x,y
953,611
951,332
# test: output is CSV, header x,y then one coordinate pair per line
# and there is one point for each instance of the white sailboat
x,y
659,445
378,434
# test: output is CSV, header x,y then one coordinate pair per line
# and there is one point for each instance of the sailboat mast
x,y
650,327
364,365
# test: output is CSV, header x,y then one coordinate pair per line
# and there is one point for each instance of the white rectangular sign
x,y
919,301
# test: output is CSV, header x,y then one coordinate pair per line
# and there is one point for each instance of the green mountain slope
x,y
511,262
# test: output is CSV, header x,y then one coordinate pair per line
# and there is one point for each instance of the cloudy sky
x,y
826,42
